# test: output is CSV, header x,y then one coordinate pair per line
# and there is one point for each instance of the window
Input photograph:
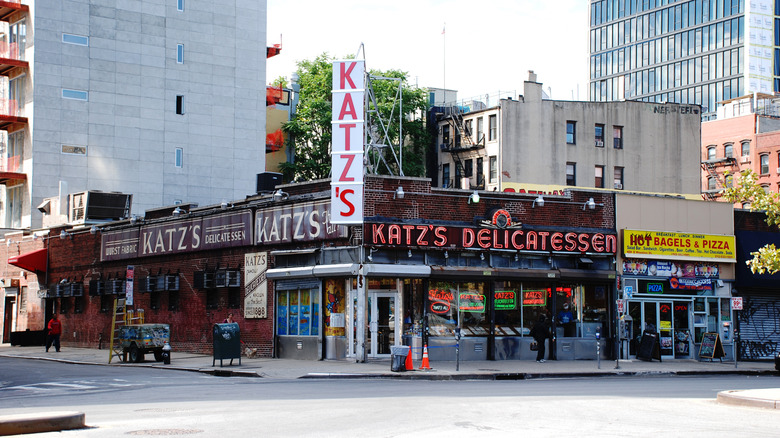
x,y
179,104
23,300
445,135
493,169
764,164
728,150
599,177
745,148
154,301
617,137
711,153
571,174
493,127
445,175
618,177
64,305
234,297
458,176
178,159
173,300
78,304
599,135
179,5
480,129
13,207
212,299
481,172
571,132
467,126
468,168
712,183
16,95
180,53
297,312
75,94
18,34
75,39
15,149
730,180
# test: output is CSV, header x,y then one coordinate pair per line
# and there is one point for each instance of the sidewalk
x,y
485,370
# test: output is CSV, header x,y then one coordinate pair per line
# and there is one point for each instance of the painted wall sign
x,y
505,300
449,237
296,223
534,297
187,235
255,285
471,302
679,246
347,140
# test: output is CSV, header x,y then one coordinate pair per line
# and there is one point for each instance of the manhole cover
x,y
164,432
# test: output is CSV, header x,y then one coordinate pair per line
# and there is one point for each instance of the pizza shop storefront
x,y
678,289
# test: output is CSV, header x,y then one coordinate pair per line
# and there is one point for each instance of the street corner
x,y
41,422
757,398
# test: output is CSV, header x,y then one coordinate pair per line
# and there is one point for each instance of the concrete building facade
x,y
532,142
161,99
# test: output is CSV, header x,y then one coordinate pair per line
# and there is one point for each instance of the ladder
x,y
115,349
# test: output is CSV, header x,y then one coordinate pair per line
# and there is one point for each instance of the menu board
x,y
711,346
648,347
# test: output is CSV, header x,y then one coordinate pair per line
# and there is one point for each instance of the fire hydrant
x,y
166,353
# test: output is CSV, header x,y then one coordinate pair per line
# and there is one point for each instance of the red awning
x,y
34,261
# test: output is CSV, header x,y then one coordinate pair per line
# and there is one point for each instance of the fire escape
x,y
715,170
12,65
460,143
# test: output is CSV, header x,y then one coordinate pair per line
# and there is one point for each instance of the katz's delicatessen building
x,y
438,267
677,271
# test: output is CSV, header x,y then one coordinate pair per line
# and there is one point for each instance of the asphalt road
x,y
146,402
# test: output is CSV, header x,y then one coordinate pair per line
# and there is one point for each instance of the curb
x,y
737,398
37,423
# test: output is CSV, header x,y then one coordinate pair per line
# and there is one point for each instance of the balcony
x,y
10,59
11,170
10,116
9,7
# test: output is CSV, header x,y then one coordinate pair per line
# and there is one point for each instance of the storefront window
x,y
535,298
472,303
298,312
413,306
508,311
442,305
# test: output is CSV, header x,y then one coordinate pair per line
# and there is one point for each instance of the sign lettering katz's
x,y
445,237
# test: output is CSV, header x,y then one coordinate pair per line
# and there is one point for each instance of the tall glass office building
x,y
696,51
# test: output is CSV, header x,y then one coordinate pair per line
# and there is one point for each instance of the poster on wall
x,y
255,285
334,308
129,275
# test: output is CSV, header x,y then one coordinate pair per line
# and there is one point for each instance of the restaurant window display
x,y
453,305
297,312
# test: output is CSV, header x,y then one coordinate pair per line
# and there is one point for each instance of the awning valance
x,y
34,261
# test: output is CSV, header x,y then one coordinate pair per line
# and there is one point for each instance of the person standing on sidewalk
x,y
55,330
540,332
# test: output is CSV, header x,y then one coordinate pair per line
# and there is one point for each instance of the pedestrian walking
x,y
55,330
540,332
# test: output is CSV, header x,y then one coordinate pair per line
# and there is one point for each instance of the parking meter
x,y
598,332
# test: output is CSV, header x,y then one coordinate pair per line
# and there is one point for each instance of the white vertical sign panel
x,y
347,146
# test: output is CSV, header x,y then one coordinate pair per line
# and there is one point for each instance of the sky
x,y
474,47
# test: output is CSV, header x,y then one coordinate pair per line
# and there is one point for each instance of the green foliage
x,y
310,130
766,259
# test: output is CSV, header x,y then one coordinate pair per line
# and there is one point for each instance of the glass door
x,y
666,329
382,322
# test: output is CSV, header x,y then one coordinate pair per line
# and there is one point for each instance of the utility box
x,y
227,343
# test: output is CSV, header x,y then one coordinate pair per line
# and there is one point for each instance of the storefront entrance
x,y
382,309
670,319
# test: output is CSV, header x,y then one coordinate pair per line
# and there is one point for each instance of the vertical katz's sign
x,y
346,193
255,285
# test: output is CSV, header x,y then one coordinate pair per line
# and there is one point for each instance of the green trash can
x,y
227,343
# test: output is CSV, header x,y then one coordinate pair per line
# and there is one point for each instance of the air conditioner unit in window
x,y
618,186
234,278
599,143
744,159
77,289
172,282
220,278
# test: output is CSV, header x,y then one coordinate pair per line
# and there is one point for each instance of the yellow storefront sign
x,y
679,246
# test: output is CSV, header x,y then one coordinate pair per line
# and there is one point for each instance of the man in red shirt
x,y
55,330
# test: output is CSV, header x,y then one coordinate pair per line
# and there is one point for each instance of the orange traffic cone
x,y
409,363
425,364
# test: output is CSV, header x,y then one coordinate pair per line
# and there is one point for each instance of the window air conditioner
x,y
599,143
234,278
618,186
744,159
220,278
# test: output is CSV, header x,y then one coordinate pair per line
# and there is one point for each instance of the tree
x,y
309,132
767,258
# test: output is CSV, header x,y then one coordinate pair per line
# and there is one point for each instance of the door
x,y
382,322
666,329
654,316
